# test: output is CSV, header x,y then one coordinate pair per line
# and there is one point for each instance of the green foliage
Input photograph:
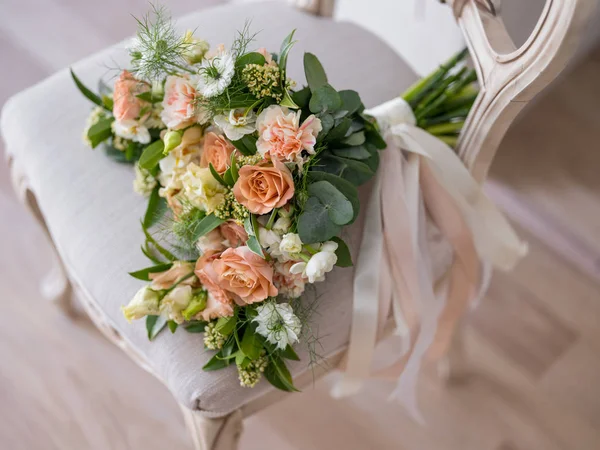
x,y
157,207
315,74
100,131
314,224
87,93
338,207
205,225
246,145
251,344
325,98
195,327
154,325
251,227
279,376
250,58
152,155
143,274
344,258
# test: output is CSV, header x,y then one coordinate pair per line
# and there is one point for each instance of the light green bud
x,y
172,139
197,304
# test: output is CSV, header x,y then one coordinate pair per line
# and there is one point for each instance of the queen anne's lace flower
x,y
278,324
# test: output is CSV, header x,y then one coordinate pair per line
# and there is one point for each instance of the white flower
x,y
269,240
175,302
290,244
144,303
97,113
202,189
216,74
131,130
144,182
319,264
195,48
282,224
236,124
278,324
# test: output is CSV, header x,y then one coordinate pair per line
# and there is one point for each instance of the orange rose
x,y
126,106
264,187
217,151
245,274
234,233
210,280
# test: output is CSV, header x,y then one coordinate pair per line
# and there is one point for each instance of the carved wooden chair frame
x,y
509,79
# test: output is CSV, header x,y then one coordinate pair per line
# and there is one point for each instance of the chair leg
x,y
213,434
55,286
453,368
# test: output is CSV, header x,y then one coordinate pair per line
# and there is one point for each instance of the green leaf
x,y
286,46
351,101
118,155
195,327
226,325
154,325
355,139
206,225
251,344
324,98
157,206
107,102
172,326
142,274
234,168
216,174
344,186
339,131
287,101
145,96
215,363
250,58
94,98
229,348
246,145
314,224
338,206
100,131
251,227
327,123
315,74
289,353
277,371
358,152
374,137
302,97
344,258
152,155
149,254
354,171
241,360
228,178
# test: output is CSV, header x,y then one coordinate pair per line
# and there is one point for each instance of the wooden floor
x,y
534,342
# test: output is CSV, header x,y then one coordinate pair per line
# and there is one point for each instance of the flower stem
x,y
310,250
272,218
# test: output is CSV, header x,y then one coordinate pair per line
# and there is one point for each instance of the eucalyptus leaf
x,y
355,139
157,207
352,170
152,155
374,137
314,224
338,206
339,131
359,152
143,274
324,98
327,124
351,101
206,225
344,258
315,74
344,186
302,97
154,325
172,326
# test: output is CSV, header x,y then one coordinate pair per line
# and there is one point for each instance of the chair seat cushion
x,y
93,213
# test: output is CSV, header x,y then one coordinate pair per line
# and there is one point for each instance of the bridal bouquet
x,y
250,181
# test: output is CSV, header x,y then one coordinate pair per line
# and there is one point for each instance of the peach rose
x,y
215,309
166,280
281,135
264,187
234,233
245,274
217,151
208,277
178,103
126,106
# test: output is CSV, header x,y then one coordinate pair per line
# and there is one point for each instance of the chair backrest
x,y
510,77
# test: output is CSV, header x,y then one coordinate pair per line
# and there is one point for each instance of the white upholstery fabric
x,y
93,214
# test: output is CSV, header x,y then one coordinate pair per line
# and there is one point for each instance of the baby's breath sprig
x,y
158,49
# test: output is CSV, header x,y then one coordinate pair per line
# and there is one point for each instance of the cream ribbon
x,y
419,175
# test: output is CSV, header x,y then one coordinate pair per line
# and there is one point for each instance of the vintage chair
x,y
86,204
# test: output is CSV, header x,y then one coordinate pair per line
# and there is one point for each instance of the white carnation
x,y
278,324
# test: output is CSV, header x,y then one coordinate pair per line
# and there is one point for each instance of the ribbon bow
x,y
419,177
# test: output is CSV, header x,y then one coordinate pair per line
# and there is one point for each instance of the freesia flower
x,y
202,189
132,130
281,135
278,324
178,103
126,104
263,187
236,123
282,224
144,303
290,244
217,151
245,274
319,264
216,74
